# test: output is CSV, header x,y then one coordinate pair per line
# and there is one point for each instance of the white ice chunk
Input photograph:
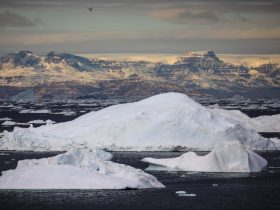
x,y
40,111
226,157
12,123
79,168
5,119
180,192
41,122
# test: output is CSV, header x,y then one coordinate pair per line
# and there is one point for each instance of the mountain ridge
x,y
192,72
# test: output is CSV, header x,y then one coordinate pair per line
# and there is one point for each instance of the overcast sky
x,y
140,26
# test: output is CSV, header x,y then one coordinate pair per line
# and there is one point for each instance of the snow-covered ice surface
x,y
79,168
165,122
226,157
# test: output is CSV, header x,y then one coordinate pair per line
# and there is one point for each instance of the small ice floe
x,y
8,123
180,192
67,113
183,175
31,111
5,119
215,185
48,122
12,123
7,106
7,162
274,167
184,194
190,194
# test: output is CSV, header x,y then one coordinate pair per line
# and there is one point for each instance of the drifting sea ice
x,y
79,168
41,111
12,123
41,122
5,119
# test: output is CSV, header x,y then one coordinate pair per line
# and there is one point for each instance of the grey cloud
x,y
204,17
9,19
223,6
236,7
225,12
66,3
246,46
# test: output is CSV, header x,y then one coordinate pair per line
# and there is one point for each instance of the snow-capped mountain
x,y
63,75
206,61
77,62
25,59
19,59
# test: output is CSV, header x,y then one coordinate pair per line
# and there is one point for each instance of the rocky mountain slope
x,y
63,75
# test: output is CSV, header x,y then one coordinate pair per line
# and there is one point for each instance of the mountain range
x,y
62,76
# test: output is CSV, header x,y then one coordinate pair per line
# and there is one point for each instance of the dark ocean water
x,y
214,191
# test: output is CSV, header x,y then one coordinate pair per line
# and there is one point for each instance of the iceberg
x,y
79,168
164,122
264,123
225,157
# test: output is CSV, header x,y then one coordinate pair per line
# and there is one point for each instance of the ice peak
x,y
170,98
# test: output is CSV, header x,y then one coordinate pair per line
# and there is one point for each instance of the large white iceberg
x,y
170,121
79,168
226,157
